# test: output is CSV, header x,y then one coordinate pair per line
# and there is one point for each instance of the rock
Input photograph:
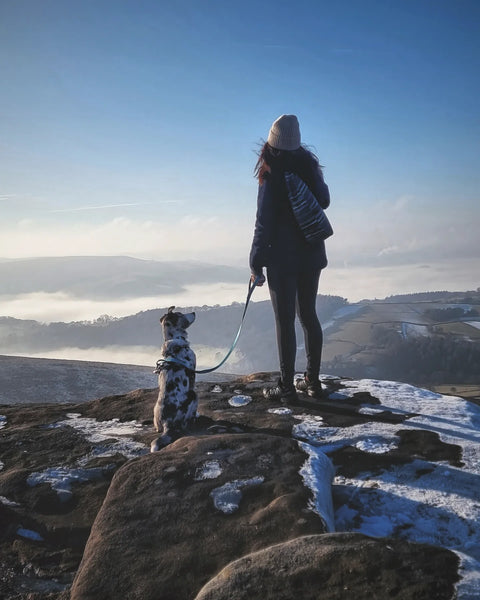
x,y
174,520
185,512
337,566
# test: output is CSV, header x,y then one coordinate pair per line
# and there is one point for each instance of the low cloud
x,y
62,307
351,282
128,355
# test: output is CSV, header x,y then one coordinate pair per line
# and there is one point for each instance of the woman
x,y
293,264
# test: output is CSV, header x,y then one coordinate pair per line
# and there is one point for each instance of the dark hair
x,y
268,156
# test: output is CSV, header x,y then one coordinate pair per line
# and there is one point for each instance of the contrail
x,y
79,208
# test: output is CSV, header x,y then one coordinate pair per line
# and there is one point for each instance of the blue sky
x,y
130,127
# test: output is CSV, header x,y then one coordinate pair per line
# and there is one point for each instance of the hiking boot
x,y
281,393
311,388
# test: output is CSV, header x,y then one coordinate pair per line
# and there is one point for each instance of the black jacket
x,y
278,241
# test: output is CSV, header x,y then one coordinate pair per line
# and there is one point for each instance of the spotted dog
x,y
176,407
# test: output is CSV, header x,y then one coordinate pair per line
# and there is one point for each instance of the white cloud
x,y
402,233
373,253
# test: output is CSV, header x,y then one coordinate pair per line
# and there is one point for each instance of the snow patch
x,y
376,445
61,479
423,501
3,421
311,428
210,469
216,389
240,400
468,587
29,534
415,330
6,502
99,431
282,410
370,410
317,474
125,447
227,497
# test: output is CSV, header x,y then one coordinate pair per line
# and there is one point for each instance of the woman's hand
x,y
260,279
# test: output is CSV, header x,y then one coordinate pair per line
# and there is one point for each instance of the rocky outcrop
x,y
333,566
246,496
178,516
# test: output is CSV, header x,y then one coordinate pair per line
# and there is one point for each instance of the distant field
x,y
472,392
362,344
458,328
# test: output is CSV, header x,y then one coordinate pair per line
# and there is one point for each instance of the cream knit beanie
x,y
285,133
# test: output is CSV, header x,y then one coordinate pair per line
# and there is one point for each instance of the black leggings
x,y
296,293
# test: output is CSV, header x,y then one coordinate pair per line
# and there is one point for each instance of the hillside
x,y
38,380
429,339
433,340
97,277
140,334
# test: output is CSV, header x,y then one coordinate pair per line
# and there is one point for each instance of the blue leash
x,y
163,362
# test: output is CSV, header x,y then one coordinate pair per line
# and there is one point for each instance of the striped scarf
x,y
309,215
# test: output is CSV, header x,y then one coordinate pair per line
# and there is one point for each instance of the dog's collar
x,y
169,361
163,363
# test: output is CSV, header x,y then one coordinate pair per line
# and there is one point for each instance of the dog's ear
x,y
169,311
190,318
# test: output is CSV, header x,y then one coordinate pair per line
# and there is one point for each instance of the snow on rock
x,y
240,400
376,444
99,431
3,421
210,469
29,534
421,501
468,588
311,428
282,410
317,474
61,479
7,502
227,497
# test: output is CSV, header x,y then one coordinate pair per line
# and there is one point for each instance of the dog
x,y
175,410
